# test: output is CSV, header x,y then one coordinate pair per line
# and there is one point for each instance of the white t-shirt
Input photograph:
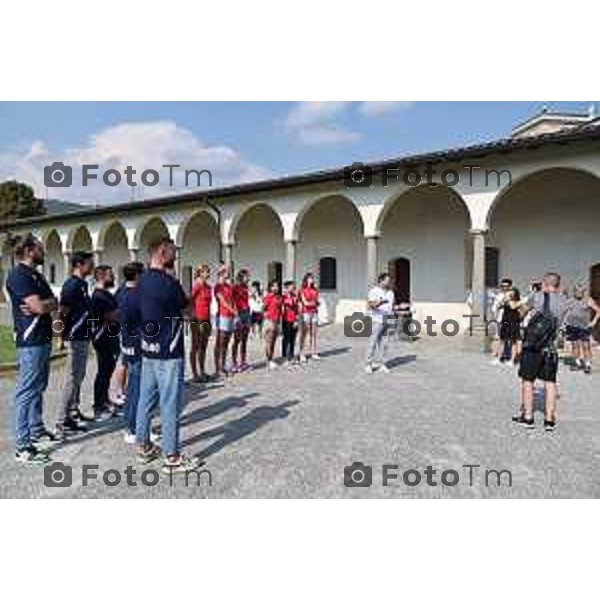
x,y
376,294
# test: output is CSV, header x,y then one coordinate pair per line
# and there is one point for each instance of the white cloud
x,y
313,123
143,146
316,123
378,108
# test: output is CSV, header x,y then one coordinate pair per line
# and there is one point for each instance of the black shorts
x,y
539,365
577,334
257,318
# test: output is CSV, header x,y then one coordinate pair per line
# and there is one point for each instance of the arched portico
x,y
80,240
259,242
114,247
425,230
149,230
332,228
547,221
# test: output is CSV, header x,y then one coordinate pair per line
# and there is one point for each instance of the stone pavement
x,y
290,433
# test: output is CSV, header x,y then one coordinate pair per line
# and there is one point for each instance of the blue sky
x,y
238,141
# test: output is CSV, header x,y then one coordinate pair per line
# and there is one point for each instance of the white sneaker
x,y
129,438
154,437
272,365
316,357
119,400
383,369
303,359
369,369
496,362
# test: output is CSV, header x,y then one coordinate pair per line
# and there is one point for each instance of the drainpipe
x,y
217,211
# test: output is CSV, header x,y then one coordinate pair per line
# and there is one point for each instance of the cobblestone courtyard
x,y
290,433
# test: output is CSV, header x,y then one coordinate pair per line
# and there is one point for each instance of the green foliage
x,y
7,345
18,201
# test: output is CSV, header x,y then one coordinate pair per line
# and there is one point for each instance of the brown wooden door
x,y
399,270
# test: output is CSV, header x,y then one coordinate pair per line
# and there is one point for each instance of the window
x,y
328,273
492,267
275,272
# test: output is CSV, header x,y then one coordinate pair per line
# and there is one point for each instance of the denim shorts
x,y
309,318
225,324
577,334
242,320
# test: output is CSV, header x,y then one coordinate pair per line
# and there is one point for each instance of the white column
x,y
372,247
134,254
478,294
290,260
228,256
67,262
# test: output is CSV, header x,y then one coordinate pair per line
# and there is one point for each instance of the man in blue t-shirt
x,y
130,319
105,339
76,311
162,305
32,303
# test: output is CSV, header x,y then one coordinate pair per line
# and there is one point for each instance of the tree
x,y
18,201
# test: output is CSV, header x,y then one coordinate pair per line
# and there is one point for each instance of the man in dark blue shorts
x,y
32,304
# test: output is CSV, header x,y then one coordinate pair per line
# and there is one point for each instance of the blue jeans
x,y
32,381
134,373
165,379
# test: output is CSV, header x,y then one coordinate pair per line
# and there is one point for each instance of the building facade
x,y
522,206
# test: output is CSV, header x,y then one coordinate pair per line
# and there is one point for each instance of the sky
x,y
236,141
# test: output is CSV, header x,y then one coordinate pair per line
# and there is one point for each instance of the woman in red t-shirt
x,y
225,317
201,327
309,301
241,298
273,308
289,321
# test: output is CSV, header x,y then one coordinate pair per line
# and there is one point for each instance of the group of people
x,y
137,334
240,309
528,334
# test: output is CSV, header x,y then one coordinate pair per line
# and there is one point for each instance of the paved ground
x,y
289,434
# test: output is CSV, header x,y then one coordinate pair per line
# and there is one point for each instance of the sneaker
x,y
148,454
520,418
119,400
303,359
245,367
271,365
315,356
103,414
154,437
44,436
549,425
383,369
72,426
496,362
528,423
79,416
369,369
129,438
179,463
587,369
31,456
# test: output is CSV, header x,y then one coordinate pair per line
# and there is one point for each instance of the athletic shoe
x,y
148,454
79,416
44,436
104,414
383,369
315,356
154,437
587,369
129,438
496,362
549,425
245,367
520,418
271,365
303,359
119,400
31,456
234,369
72,426
369,369
179,463
528,423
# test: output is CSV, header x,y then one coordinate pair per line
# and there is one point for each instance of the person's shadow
x,y
233,431
216,408
398,361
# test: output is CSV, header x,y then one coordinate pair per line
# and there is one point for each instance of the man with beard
x,y
162,305
32,304
106,338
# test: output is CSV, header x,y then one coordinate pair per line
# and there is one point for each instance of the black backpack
x,y
542,329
